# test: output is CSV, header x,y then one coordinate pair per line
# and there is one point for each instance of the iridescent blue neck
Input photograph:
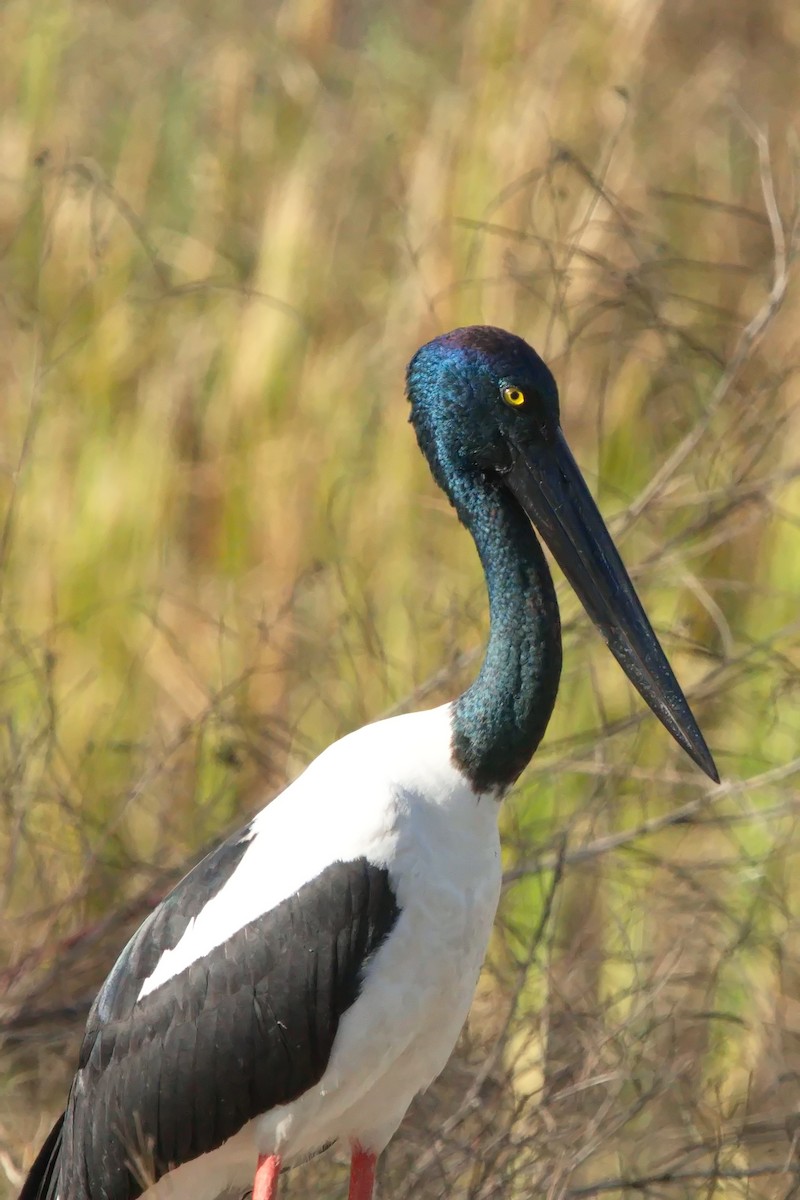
x,y
500,720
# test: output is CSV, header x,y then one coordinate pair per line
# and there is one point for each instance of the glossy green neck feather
x,y
500,720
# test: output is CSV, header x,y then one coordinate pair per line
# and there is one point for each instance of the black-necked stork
x,y
309,977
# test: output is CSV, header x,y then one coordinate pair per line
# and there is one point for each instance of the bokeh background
x,y
225,226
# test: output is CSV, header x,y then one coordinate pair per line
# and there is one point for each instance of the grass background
x,y
224,229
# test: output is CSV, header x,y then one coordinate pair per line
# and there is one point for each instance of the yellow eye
x,y
513,396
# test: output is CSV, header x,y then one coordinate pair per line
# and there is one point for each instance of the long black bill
x,y
550,487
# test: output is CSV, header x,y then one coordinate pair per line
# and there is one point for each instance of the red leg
x,y
362,1174
265,1185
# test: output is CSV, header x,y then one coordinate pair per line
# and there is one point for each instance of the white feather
x,y
391,793
354,800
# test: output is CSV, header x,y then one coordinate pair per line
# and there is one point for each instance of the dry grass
x,y
224,228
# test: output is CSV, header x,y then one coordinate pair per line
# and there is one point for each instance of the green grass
x,y
224,229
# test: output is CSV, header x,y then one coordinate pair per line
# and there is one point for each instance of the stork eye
x,y
513,396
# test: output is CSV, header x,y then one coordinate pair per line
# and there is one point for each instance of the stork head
x,y
476,393
485,410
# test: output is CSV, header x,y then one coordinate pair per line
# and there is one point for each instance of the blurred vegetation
x,y
224,228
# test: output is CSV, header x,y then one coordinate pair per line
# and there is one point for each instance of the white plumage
x,y
388,792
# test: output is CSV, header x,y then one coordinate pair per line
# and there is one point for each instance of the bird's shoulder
x,y
344,808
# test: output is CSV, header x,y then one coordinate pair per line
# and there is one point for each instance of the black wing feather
x,y
245,1028
43,1176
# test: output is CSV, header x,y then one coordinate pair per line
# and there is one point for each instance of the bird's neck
x,y
500,720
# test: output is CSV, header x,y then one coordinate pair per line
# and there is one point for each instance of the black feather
x,y
247,1027
42,1180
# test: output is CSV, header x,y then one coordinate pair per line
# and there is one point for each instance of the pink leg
x,y
265,1185
362,1174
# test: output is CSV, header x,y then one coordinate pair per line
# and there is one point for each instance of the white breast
x,y
440,842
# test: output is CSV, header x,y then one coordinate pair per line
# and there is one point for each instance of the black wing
x,y
243,1029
